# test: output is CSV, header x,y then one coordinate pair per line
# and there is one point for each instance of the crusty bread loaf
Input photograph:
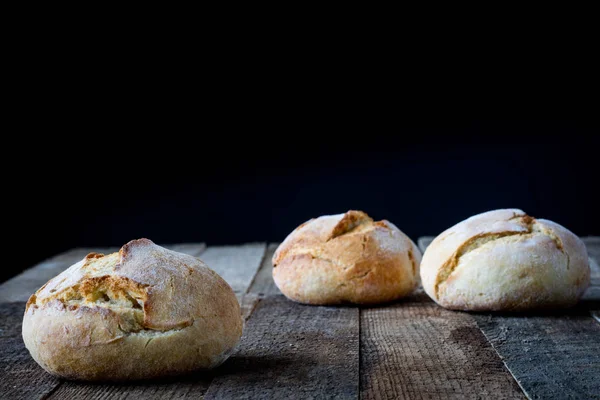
x,y
143,312
505,260
346,258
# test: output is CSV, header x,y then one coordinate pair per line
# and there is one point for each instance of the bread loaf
x,y
346,258
505,260
143,312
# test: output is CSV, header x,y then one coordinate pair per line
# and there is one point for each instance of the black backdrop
x,y
230,186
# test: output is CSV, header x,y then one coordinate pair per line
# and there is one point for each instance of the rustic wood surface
x,y
593,247
21,377
263,284
291,350
564,347
551,356
236,264
417,350
193,249
411,349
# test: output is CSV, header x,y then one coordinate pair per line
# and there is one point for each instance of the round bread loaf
x,y
346,258
505,260
143,312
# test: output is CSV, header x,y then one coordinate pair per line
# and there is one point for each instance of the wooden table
x,y
411,349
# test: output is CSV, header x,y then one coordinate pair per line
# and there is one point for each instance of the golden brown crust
x,y
346,258
142,312
505,260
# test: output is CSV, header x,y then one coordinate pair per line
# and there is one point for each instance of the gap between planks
x,y
293,351
551,355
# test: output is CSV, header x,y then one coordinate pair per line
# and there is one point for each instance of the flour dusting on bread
x,y
165,310
347,257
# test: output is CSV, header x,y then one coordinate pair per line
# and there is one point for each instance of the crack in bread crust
x,y
362,275
352,223
121,297
477,241
351,220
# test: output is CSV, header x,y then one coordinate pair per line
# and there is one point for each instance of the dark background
x,y
230,184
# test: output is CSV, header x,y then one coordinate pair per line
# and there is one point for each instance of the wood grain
x,y
592,243
21,377
263,284
248,303
593,247
418,350
412,349
236,264
193,249
293,351
188,387
592,294
424,242
551,355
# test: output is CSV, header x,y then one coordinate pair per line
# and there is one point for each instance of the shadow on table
x,y
235,365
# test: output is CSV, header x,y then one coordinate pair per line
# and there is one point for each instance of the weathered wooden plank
x,y
552,356
248,303
293,351
592,294
188,387
25,284
193,249
593,246
418,350
236,264
263,284
20,376
424,242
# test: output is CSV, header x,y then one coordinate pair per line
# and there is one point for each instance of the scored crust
x,y
505,260
142,312
346,258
